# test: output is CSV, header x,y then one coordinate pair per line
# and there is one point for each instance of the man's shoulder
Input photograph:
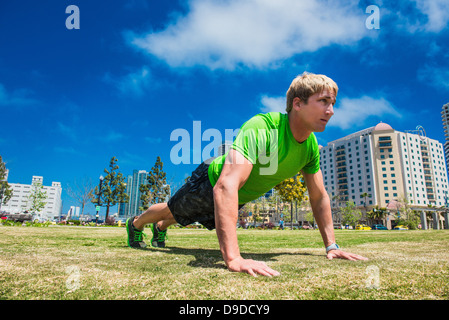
x,y
274,116
269,119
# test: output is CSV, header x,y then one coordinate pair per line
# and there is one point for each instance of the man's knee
x,y
168,215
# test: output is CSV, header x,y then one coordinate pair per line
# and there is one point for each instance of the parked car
x,y
378,227
400,227
362,227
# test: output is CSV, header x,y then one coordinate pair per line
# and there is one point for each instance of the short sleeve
x,y
249,141
313,166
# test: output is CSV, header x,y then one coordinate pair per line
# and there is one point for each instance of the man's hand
x,y
252,267
344,255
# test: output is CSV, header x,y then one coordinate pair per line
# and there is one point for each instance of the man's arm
x,y
320,202
234,174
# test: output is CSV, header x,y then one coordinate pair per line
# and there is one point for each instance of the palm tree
x,y
377,214
364,196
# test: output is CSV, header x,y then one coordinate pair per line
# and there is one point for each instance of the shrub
x,y
110,221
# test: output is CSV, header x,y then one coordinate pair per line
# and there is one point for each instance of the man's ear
x,y
297,102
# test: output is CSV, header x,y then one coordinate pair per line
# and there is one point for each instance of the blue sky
x,y
136,71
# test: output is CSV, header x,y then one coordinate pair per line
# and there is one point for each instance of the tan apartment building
x,y
387,165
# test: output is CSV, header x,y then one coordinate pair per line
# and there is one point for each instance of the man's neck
x,y
297,128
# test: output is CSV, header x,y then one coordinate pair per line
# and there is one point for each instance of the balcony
x,y
385,145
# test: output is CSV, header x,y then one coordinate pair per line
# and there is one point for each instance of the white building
x,y
445,119
387,165
19,201
74,212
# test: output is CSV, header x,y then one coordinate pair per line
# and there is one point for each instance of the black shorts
x,y
194,202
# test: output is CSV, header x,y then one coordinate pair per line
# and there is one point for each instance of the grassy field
x,y
61,262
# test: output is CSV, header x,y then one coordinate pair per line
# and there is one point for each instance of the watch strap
x,y
333,246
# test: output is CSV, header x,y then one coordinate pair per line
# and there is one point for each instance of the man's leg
x,y
157,212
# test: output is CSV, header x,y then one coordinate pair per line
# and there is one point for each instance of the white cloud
x,y
435,76
252,33
273,104
153,140
351,112
420,15
354,112
436,12
66,150
67,131
15,98
134,83
113,136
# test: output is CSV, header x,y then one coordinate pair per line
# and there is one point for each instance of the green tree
x,y
406,215
350,214
377,214
364,196
156,189
5,188
310,218
113,188
256,216
37,199
338,198
290,190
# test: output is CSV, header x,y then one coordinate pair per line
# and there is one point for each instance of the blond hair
x,y
306,85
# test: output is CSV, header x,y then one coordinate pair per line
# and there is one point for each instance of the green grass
x,y
59,262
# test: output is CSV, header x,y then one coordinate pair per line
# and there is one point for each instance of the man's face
x,y
315,114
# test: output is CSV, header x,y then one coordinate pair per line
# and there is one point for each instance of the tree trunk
x,y
291,214
107,211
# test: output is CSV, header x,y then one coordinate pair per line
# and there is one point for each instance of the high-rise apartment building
x,y
377,165
73,213
20,202
131,208
445,118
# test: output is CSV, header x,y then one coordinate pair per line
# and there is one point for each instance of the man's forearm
x,y
323,216
226,215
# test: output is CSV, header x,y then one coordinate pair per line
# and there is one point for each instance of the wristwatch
x,y
333,246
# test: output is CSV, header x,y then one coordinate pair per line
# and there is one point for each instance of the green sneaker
x,y
158,240
135,236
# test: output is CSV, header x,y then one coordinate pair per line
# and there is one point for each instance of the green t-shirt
x,y
268,143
